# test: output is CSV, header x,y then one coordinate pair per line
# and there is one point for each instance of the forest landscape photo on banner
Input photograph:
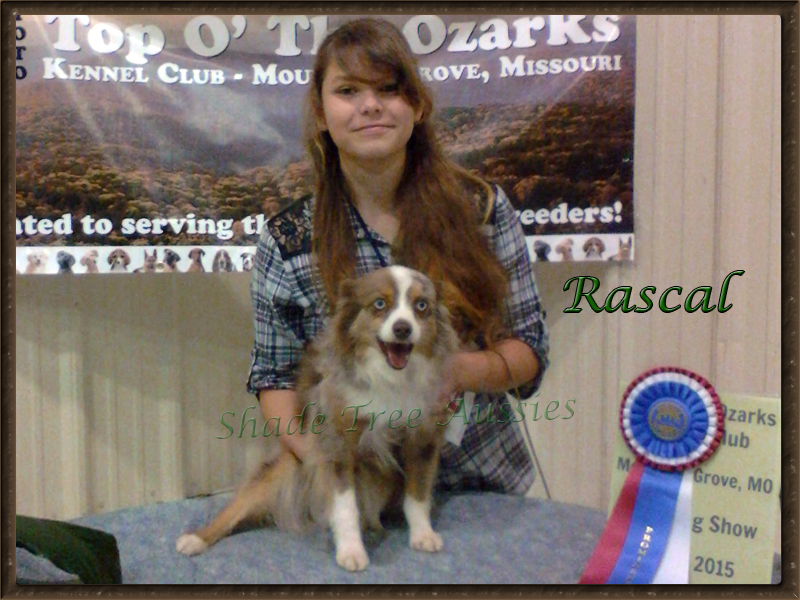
x,y
162,143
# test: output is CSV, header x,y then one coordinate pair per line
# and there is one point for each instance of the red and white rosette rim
x,y
704,399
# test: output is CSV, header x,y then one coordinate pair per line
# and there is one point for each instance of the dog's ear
x,y
443,316
438,290
448,306
347,310
346,300
347,290
447,337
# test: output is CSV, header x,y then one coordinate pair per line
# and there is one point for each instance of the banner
x,y
163,143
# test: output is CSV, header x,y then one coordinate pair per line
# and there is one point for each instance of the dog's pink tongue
x,y
397,355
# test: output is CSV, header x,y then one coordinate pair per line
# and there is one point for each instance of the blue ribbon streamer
x,y
651,523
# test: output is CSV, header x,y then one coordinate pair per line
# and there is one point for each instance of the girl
x,y
385,194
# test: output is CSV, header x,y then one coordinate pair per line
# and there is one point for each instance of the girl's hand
x,y
495,370
298,444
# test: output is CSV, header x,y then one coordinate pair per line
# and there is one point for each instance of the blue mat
x,y
489,539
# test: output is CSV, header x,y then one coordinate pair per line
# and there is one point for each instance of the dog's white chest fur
x,y
385,389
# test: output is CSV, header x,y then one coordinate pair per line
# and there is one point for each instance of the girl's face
x,y
367,117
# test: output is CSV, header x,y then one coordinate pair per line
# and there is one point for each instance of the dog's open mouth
x,y
396,354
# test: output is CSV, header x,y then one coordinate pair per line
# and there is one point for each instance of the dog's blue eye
x,y
421,305
379,304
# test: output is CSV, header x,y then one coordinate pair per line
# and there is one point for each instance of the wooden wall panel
x,y
745,186
29,433
96,343
668,210
773,309
697,222
129,333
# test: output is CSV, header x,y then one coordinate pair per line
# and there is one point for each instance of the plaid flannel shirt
x,y
289,312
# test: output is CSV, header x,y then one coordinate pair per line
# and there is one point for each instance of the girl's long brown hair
x,y
437,202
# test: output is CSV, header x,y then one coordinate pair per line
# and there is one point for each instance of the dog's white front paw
x,y
427,541
352,557
190,544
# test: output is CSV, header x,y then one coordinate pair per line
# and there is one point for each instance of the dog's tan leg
x,y
344,516
421,458
375,487
257,498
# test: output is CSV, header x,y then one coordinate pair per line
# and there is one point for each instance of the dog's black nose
x,y
402,330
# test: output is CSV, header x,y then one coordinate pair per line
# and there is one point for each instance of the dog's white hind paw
x,y
352,557
427,541
190,544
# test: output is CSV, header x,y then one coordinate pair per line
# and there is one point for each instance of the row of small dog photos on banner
x,y
565,248
202,259
134,259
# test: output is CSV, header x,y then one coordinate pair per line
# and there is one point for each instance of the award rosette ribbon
x,y
672,420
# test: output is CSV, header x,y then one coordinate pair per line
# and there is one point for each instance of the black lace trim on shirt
x,y
291,228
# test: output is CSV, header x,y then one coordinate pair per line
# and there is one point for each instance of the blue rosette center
x,y
669,419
